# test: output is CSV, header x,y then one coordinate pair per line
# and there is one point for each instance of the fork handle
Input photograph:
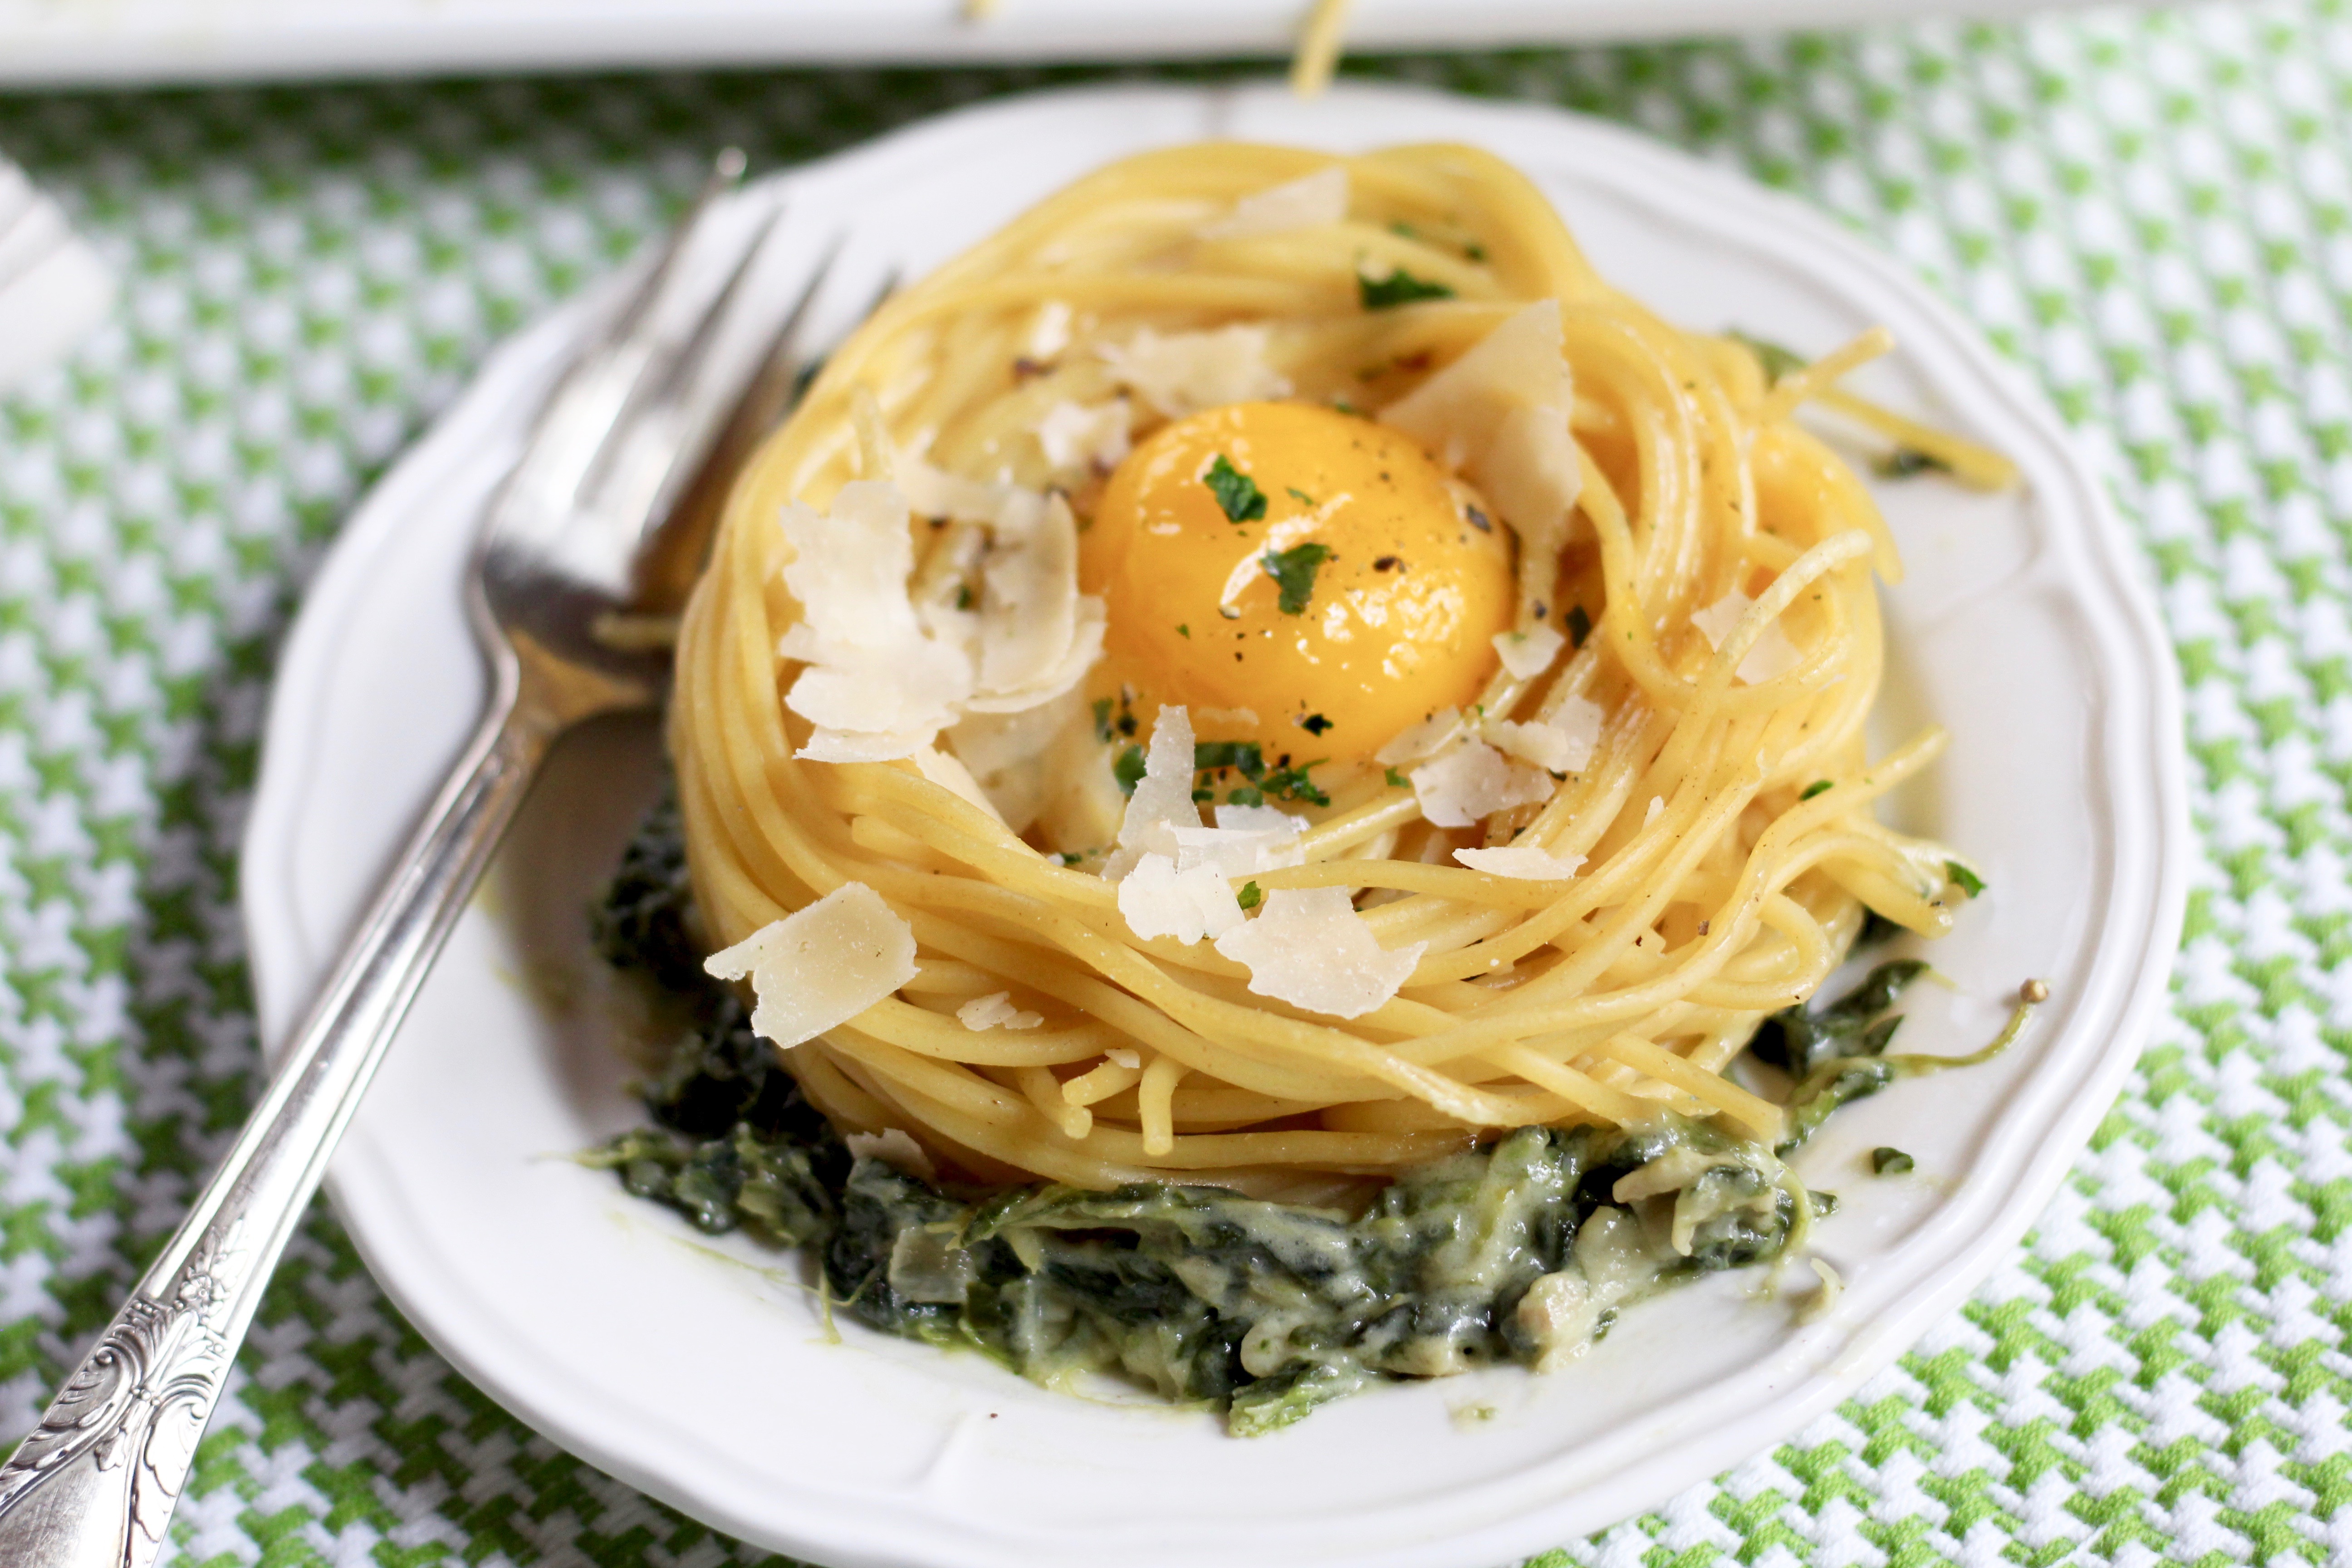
x,y
93,1486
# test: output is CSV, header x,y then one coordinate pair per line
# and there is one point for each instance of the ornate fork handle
x,y
93,1486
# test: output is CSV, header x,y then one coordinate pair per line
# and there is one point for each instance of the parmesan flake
x,y
1772,654
996,1011
1539,744
1523,863
1162,801
1157,900
819,967
1077,438
1130,1060
1310,200
1419,740
1498,417
1183,372
1529,653
1473,782
1309,947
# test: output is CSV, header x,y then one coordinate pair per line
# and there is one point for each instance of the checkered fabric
x,y
2151,212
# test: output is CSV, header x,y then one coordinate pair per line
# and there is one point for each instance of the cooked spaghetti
x,y
1624,815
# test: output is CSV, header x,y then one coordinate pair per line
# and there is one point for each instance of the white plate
x,y
605,1324
185,41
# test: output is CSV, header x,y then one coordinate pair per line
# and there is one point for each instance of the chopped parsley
x,y
1249,896
1396,779
1886,1161
1315,723
1903,462
1292,784
1302,497
1580,625
1128,769
1293,571
1182,630
1102,719
1777,361
1069,857
1237,494
1243,756
1814,788
1968,881
1398,288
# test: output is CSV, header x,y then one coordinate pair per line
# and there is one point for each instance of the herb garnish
x,y
1249,896
1242,756
1777,361
1905,462
1128,769
1293,571
1886,1161
1304,498
1968,881
1814,788
1396,779
1237,494
1398,288
1315,723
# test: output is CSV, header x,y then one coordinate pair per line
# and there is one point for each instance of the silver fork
x,y
601,519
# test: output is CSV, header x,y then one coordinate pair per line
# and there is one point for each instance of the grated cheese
x,y
1413,744
1183,372
1474,780
820,966
1542,745
1162,801
1529,653
1772,654
878,685
1157,900
1524,863
1498,417
1309,947
1077,438
1310,200
996,1011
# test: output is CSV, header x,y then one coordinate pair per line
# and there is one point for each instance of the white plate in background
x,y
703,1373
56,41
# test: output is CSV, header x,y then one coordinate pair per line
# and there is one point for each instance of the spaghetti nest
x,y
1723,819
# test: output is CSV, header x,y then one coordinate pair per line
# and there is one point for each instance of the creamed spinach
x,y
1521,1251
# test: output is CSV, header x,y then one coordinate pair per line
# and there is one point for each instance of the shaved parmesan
x,y
1529,653
1657,807
1183,372
1260,819
950,773
884,675
1162,801
1028,614
1535,744
877,684
996,1011
1309,947
1157,900
1523,863
1049,329
1498,417
1130,1060
1474,780
1413,744
1320,197
819,967
1772,654
892,1147
1076,439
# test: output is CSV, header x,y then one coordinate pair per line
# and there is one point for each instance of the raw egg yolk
x,y
1313,570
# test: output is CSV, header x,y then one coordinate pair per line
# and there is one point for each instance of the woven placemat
x,y
2150,212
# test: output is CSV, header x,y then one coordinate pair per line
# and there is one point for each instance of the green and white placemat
x,y
2151,212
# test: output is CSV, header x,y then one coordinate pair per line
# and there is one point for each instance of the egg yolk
x,y
1297,578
